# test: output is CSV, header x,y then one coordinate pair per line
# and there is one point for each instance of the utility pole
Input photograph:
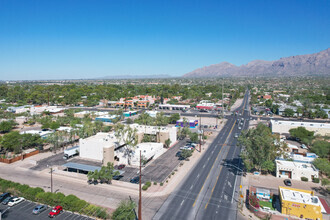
x,y
200,135
222,102
51,179
140,194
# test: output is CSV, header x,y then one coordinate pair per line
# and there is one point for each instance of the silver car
x,y
38,209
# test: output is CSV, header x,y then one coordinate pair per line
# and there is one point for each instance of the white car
x,y
15,201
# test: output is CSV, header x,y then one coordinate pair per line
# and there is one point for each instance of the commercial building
x,y
130,113
99,147
206,106
92,114
300,203
173,107
106,118
282,108
148,150
152,113
190,123
283,127
161,133
104,147
295,170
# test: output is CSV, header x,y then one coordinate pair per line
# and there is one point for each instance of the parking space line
x,y
28,204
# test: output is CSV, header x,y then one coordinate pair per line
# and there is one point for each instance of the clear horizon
x,y
92,39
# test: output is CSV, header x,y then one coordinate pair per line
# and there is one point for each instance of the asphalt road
x,y
210,191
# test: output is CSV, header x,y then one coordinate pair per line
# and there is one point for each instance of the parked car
x,y
4,196
240,128
287,182
121,166
303,146
38,209
6,200
55,211
236,135
178,154
117,177
135,180
15,201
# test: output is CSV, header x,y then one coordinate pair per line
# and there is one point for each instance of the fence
x,y
21,157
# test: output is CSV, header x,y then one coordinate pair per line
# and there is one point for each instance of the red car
x,y
121,166
55,211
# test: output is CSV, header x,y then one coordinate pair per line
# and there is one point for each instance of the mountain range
x,y
300,65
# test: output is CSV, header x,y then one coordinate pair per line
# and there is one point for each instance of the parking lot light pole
x,y
51,178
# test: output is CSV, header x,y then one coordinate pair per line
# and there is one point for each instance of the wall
x,y
12,160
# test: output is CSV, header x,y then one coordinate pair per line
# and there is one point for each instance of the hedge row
x,y
70,202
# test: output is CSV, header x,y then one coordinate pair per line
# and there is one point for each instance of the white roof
x,y
301,197
175,106
67,129
296,165
301,124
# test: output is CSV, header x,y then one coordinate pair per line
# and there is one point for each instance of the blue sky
x,y
70,39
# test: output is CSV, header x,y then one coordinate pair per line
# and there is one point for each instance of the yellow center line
x,y
213,164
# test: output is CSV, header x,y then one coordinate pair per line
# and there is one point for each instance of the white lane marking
x,y
197,175
204,166
208,158
182,202
225,197
229,184
191,186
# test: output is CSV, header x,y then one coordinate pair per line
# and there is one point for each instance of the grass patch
x,y
266,204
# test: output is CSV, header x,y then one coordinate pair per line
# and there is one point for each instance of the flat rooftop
x,y
296,165
293,195
301,124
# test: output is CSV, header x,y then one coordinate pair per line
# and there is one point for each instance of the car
x,y
303,146
121,166
55,211
236,135
135,180
239,128
38,209
186,148
117,177
178,154
287,182
15,201
6,200
4,196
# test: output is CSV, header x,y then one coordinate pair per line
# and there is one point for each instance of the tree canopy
x,y
302,135
125,211
321,148
260,148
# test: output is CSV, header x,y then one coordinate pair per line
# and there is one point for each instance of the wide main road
x,y
209,191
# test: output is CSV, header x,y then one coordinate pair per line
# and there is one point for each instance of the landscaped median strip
x,y
70,203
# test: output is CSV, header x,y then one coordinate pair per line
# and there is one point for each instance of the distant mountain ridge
x,y
301,65
136,77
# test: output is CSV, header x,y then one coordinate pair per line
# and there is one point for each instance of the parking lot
x,y
24,209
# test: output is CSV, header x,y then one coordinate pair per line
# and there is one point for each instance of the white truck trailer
x,y
70,152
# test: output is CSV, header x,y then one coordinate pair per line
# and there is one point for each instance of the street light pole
x,y
140,194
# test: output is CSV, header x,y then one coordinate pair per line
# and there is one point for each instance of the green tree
x,y
173,118
323,165
288,112
193,137
168,143
321,148
302,134
125,211
12,142
261,148
186,153
6,126
128,136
